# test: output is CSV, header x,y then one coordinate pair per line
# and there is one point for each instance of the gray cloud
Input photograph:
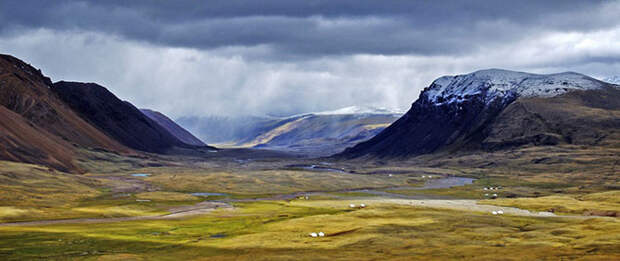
x,y
314,28
287,57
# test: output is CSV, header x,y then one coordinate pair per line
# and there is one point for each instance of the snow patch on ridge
x,y
352,110
359,110
496,83
613,79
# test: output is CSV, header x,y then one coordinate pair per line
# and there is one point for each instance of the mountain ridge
x,y
38,127
119,119
458,112
317,133
172,127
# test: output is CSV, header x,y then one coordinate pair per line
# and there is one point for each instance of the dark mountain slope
x,y
118,119
495,109
580,117
172,127
36,126
25,91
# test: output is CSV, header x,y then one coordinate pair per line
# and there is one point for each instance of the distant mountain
x,y
359,110
37,127
171,126
119,119
229,130
498,109
613,79
318,133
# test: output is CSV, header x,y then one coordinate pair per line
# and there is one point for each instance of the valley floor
x,y
264,208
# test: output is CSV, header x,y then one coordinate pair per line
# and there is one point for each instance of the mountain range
x,y
499,109
48,123
317,134
53,123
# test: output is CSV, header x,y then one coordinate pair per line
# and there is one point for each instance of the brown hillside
x,y
21,141
24,90
579,117
46,128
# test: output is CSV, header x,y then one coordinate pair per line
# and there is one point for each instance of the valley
x,y
485,164
255,208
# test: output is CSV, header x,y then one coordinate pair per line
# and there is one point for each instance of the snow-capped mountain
x,y
495,109
613,79
495,83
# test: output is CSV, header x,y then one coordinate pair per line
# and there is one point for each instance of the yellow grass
x,y
597,202
166,196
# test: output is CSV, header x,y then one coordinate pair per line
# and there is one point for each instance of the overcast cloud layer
x,y
284,57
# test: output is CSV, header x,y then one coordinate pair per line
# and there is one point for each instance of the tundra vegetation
x,y
267,207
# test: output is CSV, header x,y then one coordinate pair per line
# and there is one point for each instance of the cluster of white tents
x,y
360,206
498,212
494,195
491,188
314,234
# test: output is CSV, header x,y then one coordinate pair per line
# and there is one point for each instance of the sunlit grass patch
x,y
608,196
119,211
271,230
13,212
568,204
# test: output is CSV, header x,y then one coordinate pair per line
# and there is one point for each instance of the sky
x,y
283,57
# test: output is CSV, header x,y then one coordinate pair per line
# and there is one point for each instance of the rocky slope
x,y
22,142
172,127
37,126
497,109
118,119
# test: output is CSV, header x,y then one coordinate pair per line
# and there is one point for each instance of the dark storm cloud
x,y
317,28
287,57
